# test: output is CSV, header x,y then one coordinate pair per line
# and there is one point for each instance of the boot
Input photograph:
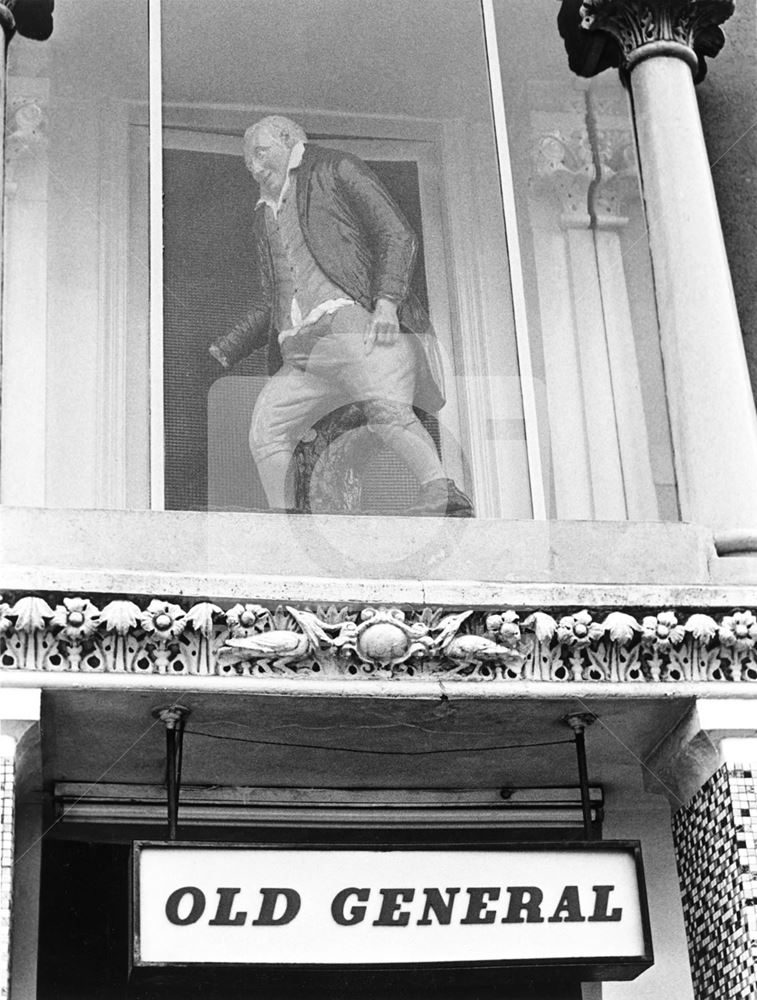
x,y
440,498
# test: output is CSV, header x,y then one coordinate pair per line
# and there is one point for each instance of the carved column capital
x,y
687,29
564,166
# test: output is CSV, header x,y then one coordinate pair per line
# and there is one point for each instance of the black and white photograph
x,y
378,500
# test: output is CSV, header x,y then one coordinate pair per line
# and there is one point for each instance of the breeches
x,y
325,367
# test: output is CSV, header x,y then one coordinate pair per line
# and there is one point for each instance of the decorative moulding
x,y
252,639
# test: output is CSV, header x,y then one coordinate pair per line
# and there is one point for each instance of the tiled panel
x,y
717,864
6,868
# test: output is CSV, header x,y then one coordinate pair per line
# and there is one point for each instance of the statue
x,y
333,304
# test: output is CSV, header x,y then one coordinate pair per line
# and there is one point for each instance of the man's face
x,y
267,159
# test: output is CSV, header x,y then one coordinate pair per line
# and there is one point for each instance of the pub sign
x,y
537,904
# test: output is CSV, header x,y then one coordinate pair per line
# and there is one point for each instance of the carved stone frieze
x,y
687,28
76,635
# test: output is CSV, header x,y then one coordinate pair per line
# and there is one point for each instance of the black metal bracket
x,y
173,717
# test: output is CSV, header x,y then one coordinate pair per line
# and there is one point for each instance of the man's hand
x,y
383,327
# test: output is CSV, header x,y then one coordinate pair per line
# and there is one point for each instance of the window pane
x,y
75,400
587,275
395,101
452,398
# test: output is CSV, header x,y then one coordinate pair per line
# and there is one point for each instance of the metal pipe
x,y
172,791
579,722
583,780
173,718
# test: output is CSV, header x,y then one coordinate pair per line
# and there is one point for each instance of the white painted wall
x,y
647,818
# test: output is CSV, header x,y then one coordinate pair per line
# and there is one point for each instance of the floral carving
x,y
246,619
32,614
77,618
662,631
164,620
702,627
6,622
27,644
201,617
578,629
120,616
739,630
504,628
620,627
655,647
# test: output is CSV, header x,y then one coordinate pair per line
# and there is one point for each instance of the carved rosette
x,y
250,639
689,29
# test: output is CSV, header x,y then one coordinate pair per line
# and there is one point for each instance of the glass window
x,y
397,197
431,293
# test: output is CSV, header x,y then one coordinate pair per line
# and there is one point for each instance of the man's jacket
x,y
362,242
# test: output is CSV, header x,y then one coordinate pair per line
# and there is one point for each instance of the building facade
x,y
568,673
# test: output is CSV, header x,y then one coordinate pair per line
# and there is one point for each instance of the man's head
x,y
267,147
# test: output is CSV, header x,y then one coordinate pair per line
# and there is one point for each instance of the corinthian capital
x,y
689,29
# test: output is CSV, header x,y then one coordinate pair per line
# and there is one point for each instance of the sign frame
x,y
603,968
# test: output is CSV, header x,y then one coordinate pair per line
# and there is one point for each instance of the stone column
x,y
20,842
662,46
707,767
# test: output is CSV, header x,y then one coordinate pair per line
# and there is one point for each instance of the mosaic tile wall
x,y
715,838
6,869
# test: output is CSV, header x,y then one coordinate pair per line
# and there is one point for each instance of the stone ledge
x,y
346,548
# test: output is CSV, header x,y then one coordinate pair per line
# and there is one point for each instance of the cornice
x,y
362,642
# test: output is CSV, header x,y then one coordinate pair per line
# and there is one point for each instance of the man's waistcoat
x,y
362,242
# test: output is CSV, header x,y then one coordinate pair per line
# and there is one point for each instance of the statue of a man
x,y
332,302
